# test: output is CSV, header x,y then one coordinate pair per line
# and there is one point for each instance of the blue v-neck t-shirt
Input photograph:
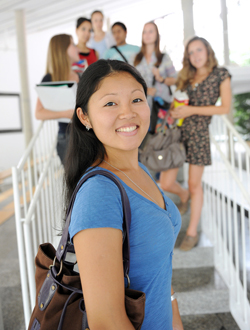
x,y
153,233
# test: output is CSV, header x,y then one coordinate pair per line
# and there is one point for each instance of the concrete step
x,y
218,321
200,290
197,257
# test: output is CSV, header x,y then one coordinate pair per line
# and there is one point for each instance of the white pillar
x,y
188,19
108,23
225,31
23,70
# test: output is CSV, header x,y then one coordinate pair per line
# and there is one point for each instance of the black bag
x,y
156,106
59,297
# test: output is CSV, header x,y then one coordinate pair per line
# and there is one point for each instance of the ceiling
x,y
44,14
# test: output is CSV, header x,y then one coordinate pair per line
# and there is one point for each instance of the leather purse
x,y
59,297
163,151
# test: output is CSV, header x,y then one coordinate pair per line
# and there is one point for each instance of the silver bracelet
x,y
173,296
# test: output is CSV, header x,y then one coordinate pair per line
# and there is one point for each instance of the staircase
x,y
202,295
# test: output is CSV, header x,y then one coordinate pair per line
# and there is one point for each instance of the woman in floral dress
x,y
204,83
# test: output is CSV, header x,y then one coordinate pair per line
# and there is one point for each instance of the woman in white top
x,y
155,67
100,40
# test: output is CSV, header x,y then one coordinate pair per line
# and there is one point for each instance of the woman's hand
x,y
151,91
157,75
182,111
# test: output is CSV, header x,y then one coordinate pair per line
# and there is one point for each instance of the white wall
x,y
12,144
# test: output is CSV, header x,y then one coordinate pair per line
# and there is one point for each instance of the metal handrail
x,y
39,176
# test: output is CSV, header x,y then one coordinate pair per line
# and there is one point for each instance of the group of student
x,y
67,61
109,123
94,43
200,76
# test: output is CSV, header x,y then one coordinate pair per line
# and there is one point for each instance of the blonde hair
x,y
142,52
58,62
187,73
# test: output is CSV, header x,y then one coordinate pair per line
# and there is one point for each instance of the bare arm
x,y
44,114
177,323
224,108
97,54
99,256
167,81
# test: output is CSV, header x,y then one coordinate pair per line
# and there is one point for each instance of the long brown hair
x,y
58,62
187,73
158,53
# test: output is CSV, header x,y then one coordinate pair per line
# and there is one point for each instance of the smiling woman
x,y
110,121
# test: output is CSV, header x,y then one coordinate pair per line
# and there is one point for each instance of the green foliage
x,y
242,114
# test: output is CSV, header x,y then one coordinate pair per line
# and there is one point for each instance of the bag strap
x,y
64,244
115,47
154,80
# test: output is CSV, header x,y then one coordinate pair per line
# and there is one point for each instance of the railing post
x,y
21,248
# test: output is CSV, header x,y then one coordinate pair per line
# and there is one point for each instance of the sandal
x,y
183,207
189,242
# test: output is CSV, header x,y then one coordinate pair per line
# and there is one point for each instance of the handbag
x,y
59,297
163,150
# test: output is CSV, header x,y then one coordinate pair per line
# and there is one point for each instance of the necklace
x,y
131,181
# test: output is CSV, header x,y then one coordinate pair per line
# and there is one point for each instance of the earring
x,y
87,127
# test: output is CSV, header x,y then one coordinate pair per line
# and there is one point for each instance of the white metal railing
x,y
37,188
226,213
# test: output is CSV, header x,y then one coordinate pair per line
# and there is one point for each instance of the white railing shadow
x,y
226,213
37,188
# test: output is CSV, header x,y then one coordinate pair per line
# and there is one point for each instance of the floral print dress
x,y
195,131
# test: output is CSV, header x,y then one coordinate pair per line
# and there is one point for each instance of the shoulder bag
x,y
59,297
163,150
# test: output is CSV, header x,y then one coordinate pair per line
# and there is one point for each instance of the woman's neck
x,y
82,47
149,49
124,161
202,72
73,76
99,33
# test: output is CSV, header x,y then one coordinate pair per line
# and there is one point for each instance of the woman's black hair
x,y
123,26
84,147
81,20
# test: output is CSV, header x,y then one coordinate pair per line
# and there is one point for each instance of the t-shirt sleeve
x,y
106,55
98,205
223,74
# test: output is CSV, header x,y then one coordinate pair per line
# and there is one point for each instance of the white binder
x,y
57,96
